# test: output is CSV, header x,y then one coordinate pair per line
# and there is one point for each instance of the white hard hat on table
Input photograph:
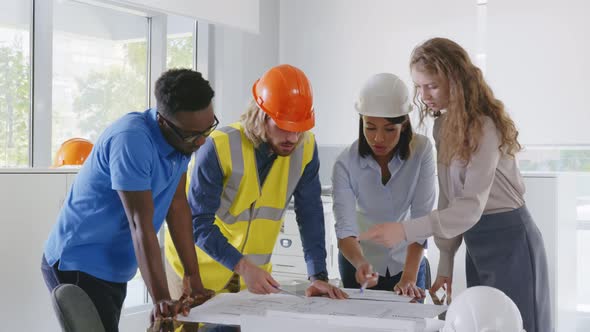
x,y
383,95
483,309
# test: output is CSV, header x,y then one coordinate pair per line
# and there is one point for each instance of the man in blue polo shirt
x,y
134,178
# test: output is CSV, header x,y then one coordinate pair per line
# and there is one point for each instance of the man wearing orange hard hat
x,y
243,179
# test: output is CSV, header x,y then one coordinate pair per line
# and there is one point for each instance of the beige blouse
x,y
490,183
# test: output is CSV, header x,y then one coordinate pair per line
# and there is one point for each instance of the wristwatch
x,y
323,276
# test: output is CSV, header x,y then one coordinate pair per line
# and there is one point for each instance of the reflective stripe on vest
x,y
258,259
233,182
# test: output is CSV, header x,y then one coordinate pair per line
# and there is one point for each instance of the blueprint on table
x,y
227,308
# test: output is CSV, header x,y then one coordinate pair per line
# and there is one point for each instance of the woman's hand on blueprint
x,y
365,275
320,288
446,284
407,287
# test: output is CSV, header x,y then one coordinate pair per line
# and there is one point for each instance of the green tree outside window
x,y
14,104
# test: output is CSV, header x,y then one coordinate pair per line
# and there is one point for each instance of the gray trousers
x,y
506,251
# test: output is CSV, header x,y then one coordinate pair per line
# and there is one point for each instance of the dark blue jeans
x,y
107,296
386,282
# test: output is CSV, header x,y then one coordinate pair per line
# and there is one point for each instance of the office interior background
x,y
69,68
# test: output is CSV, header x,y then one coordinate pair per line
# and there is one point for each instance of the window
x,y
569,159
180,42
96,57
99,69
99,74
556,159
15,83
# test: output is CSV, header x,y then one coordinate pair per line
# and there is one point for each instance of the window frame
x,y
41,70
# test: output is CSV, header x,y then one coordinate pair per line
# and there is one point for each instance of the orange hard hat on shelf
x,y
284,93
73,152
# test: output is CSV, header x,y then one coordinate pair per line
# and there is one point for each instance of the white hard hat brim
x,y
382,111
383,95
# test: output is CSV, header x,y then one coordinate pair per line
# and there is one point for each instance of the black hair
x,y
403,145
182,90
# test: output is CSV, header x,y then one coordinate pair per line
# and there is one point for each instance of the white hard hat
x,y
483,309
384,95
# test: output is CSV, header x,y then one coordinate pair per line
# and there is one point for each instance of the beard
x,y
283,149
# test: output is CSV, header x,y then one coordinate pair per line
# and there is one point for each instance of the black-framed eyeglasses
x,y
194,136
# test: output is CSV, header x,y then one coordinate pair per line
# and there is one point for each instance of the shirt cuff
x,y
231,261
418,230
445,264
343,234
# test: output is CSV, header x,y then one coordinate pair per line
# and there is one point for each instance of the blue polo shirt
x,y
92,232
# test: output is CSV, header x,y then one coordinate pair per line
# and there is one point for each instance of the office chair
x,y
74,309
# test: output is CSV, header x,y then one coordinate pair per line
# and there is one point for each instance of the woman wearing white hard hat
x,y
481,199
386,175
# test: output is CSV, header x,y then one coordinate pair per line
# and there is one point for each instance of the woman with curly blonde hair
x,y
481,188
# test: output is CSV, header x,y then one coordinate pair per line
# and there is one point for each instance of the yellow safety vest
x,y
250,215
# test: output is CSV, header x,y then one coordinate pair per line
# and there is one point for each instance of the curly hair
x,y
182,90
470,98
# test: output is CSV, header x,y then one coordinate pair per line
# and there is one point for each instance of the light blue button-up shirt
x,y
361,200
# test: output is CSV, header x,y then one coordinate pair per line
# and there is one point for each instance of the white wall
x,y
30,200
239,58
340,43
537,53
535,56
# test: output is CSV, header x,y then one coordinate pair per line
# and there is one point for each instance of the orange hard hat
x,y
73,152
284,93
